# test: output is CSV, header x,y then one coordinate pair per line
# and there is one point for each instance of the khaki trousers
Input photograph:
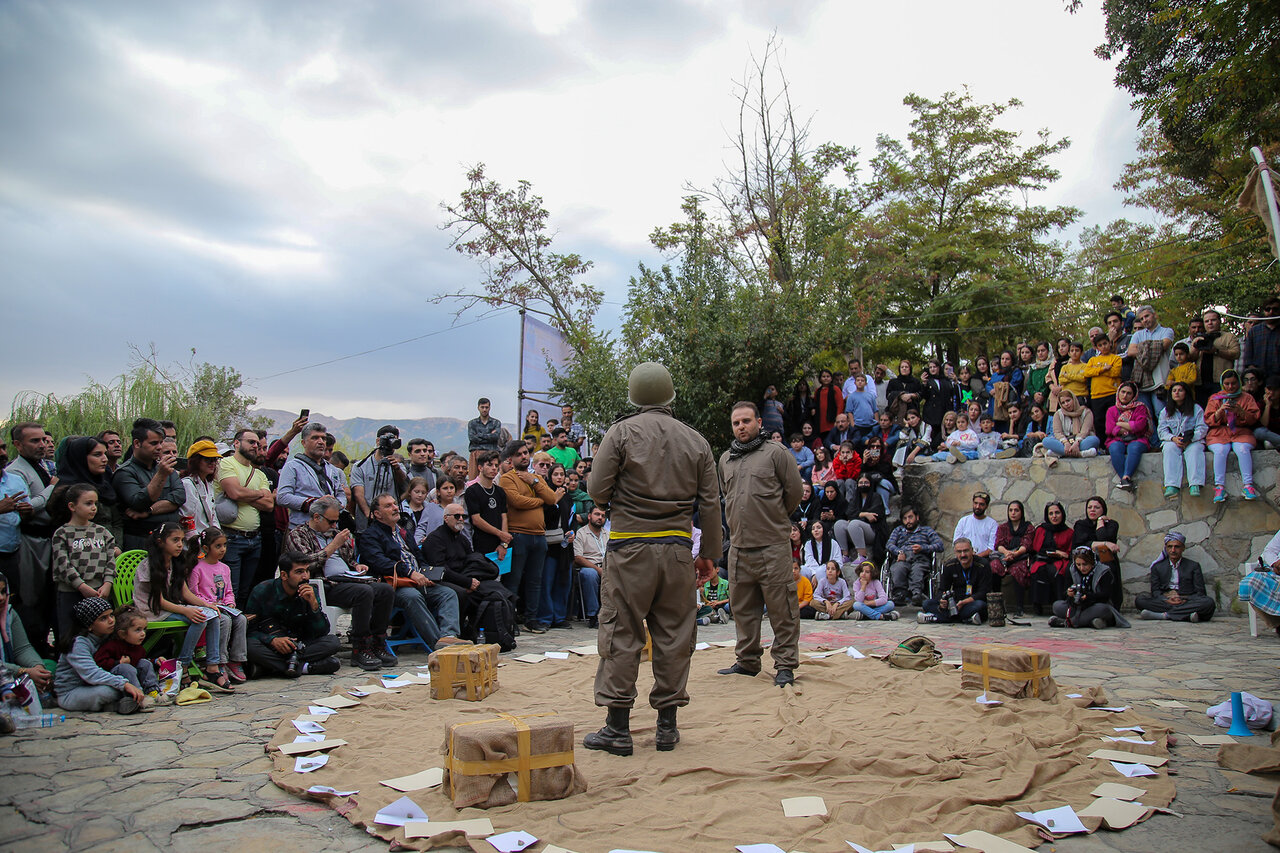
x,y
760,578
651,581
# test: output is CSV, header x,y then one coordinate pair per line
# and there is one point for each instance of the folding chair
x,y
406,635
122,595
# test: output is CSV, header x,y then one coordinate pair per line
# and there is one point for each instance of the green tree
x,y
957,245
505,230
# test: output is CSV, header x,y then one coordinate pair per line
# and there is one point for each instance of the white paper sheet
x,y
701,647
511,842
428,778
803,807
1115,709
827,654
759,848
1133,771
307,727
358,693
1075,695
554,656
1058,821
308,738
1136,740
320,711
1139,729
1117,791
307,763
325,789
400,812
854,653
983,700
529,658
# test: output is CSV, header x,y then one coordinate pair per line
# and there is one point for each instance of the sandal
x,y
219,681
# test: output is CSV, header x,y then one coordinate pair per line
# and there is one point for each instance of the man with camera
x,y
288,632
307,477
379,473
966,581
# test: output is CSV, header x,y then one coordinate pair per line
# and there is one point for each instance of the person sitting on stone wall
x,y
1177,586
966,580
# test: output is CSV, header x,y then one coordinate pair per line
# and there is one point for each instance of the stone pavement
x,y
188,779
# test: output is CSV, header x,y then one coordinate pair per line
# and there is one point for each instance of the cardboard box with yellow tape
x,y
1015,671
464,672
510,758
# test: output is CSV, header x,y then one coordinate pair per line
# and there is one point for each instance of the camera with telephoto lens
x,y
388,442
1205,341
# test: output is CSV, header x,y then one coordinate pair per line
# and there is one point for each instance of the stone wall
x,y
1224,538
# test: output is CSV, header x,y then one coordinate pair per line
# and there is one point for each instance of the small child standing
x,y
125,646
84,556
832,599
210,582
1184,369
79,683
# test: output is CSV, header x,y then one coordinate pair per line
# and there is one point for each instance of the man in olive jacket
x,y
648,470
761,485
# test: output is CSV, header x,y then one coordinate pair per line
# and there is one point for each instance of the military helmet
x,y
650,385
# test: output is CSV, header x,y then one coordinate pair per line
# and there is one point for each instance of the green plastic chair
x,y
122,593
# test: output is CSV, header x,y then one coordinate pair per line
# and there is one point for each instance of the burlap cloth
x,y
898,756
1259,760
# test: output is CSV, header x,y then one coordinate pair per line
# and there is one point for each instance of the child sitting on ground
x,y
84,556
832,599
79,683
804,592
125,646
870,601
210,584
714,607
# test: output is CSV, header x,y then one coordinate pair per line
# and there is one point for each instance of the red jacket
x,y
847,470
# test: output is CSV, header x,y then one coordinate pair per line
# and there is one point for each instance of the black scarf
x,y
75,469
738,449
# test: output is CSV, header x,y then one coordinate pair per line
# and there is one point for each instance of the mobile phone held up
x,y
305,413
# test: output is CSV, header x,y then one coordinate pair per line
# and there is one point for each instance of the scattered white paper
x,y
1075,695
366,689
312,718
1136,740
1212,740
1116,791
478,827
821,655
1167,703
510,842
910,848
983,700
583,651
335,702
1139,729
1133,771
359,693
759,848
307,727
310,746
391,682
410,678
529,658
426,779
325,789
1060,821
400,812
701,647
804,807
1126,757
554,656
1114,709
308,738
854,653
307,763
986,842
320,710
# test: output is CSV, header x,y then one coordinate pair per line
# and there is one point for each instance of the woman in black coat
x,y
939,396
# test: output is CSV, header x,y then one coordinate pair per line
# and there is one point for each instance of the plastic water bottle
x,y
33,721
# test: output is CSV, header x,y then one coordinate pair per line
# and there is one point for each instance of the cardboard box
x,y
1014,671
509,758
464,672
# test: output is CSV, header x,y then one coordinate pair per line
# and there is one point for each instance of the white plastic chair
x,y
330,611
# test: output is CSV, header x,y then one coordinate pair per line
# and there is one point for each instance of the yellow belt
x,y
521,764
656,534
1036,673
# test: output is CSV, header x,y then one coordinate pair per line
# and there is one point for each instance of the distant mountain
x,y
444,433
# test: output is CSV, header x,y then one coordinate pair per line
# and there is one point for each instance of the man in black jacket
x,y
966,580
448,546
1177,586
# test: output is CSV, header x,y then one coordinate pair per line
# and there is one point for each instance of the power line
x,y
500,312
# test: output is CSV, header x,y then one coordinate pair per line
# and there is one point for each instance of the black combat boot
x,y
667,735
615,737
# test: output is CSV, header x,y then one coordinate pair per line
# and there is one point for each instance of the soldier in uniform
x,y
761,485
648,470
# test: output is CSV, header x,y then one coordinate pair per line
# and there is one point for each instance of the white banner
x,y
542,344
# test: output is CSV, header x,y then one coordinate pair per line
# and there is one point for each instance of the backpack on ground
x,y
915,653
496,615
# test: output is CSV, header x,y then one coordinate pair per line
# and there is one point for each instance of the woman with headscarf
x,y
1040,374
1072,431
84,460
1100,533
1128,428
864,522
815,553
1231,416
1051,555
801,409
904,392
1182,430
17,655
1087,601
1012,558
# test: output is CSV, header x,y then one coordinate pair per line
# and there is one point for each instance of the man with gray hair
x,y
1178,591
346,582
966,581
1149,348
307,477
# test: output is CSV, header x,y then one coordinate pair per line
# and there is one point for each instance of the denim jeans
x,y
589,581
242,559
1125,456
1175,457
1266,436
210,628
431,610
964,615
528,563
96,697
1051,444
1244,456
871,611
554,606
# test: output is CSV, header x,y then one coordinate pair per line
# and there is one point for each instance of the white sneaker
x,y
893,616
1089,454
923,618
824,615
856,615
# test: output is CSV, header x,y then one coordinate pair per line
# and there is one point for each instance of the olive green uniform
x,y
648,470
761,490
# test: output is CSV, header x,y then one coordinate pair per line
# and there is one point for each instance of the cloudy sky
x,y
262,181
